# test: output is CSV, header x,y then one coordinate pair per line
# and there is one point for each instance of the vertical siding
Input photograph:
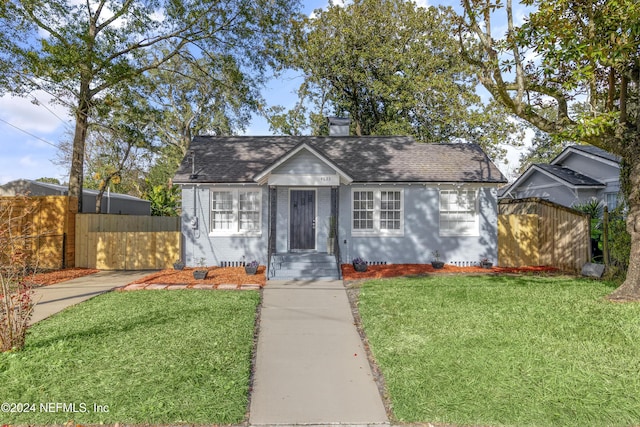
x,y
132,242
518,235
50,222
557,236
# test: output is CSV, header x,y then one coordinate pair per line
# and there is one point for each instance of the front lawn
x,y
496,350
140,357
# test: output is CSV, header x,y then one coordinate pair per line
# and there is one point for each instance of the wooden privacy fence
x,y
49,222
538,232
117,242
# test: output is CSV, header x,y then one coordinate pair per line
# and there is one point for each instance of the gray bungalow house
x,y
303,205
577,175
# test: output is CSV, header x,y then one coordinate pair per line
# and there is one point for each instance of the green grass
x,y
146,357
520,351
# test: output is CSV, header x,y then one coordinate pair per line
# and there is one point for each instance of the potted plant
x,y
436,263
251,268
485,263
200,273
331,240
178,265
359,264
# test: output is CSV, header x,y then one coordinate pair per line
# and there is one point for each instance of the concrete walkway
x,y
55,298
311,366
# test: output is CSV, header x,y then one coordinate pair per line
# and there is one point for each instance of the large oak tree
x,y
580,59
395,68
81,51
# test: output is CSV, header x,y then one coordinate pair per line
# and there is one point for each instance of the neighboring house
x,y
112,203
577,175
390,199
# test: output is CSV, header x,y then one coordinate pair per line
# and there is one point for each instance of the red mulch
x,y
58,276
215,276
237,275
395,270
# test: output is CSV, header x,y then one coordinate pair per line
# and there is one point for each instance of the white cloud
x,y
35,113
27,161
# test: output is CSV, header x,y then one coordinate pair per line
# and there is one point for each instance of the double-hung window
x,y
459,213
377,212
235,211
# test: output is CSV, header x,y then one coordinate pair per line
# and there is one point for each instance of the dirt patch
x,y
396,270
215,276
59,276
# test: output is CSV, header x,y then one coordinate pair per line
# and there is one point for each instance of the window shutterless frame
x,y
458,212
236,211
377,212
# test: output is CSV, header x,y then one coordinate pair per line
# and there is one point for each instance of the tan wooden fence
x,y
537,232
118,242
50,221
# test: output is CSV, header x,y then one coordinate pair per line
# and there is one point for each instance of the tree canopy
x,y
192,97
395,69
80,52
579,59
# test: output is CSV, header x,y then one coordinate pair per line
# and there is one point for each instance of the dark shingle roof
x,y
569,175
590,149
365,159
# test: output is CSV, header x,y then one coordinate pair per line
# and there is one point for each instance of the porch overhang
x,y
267,176
304,180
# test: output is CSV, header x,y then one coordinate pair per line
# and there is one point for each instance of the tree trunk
x,y
76,174
99,199
630,289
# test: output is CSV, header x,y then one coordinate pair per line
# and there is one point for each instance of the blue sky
x,y
30,128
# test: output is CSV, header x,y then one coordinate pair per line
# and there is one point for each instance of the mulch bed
x,y
58,276
395,270
226,276
215,276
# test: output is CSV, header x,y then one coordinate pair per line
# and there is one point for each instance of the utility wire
x,y
37,102
29,133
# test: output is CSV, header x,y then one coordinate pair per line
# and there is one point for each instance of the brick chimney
x,y
339,126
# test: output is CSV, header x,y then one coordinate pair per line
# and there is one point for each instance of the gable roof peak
x,y
586,150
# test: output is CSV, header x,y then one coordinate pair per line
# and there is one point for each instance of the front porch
x,y
302,231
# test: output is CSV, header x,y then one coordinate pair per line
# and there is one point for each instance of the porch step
x,y
304,266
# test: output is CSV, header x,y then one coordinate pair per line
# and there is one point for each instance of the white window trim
x,y
476,227
235,222
377,231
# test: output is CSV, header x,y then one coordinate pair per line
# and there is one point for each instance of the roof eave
x,y
573,150
535,168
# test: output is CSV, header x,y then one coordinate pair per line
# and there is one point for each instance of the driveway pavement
x,y
55,298
311,366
